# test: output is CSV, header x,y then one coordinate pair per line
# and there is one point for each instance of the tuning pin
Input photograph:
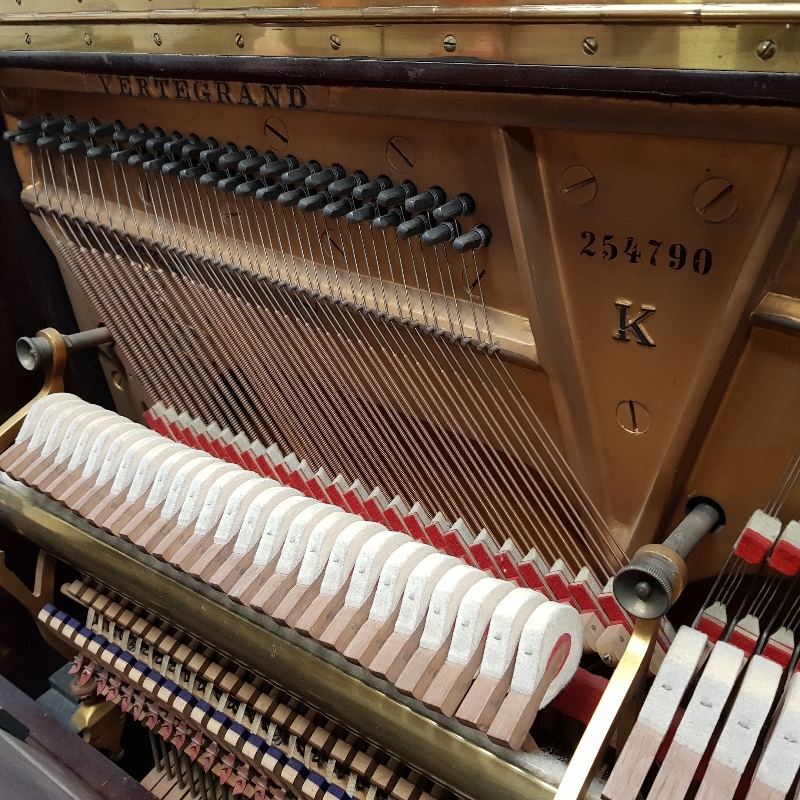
x,y
76,146
52,142
273,168
300,173
479,236
425,201
339,208
102,150
138,159
77,128
248,166
175,146
156,164
325,176
445,232
120,156
397,195
213,178
99,130
413,227
270,193
141,138
230,184
249,188
369,191
231,160
344,186
124,134
176,167
193,173
29,137
461,206
293,196
364,214
213,154
197,147
33,123
314,202
158,143
55,125
391,219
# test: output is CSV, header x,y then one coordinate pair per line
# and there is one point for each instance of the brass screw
x,y
450,43
400,154
578,185
276,133
766,49
716,200
335,41
87,38
157,39
239,39
590,45
27,38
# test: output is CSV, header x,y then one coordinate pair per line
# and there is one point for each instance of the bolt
x,y
157,39
87,37
450,43
400,154
239,39
276,133
590,45
578,185
643,590
716,200
766,49
336,42
27,38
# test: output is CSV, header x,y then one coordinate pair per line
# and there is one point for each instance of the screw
x,y
239,39
400,154
766,49
157,39
27,38
276,133
336,42
590,45
450,43
643,590
87,38
578,185
716,200
633,417
608,659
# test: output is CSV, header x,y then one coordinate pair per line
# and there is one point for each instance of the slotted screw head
x,y
157,39
590,45
336,41
400,154
239,39
578,185
716,200
766,49
87,37
27,38
450,43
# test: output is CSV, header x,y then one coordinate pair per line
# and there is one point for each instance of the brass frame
x,y
465,767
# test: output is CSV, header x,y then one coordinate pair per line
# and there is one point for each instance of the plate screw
x,y
276,133
633,417
608,659
400,154
239,39
766,49
450,43
336,42
157,39
716,200
27,38
590,45
87,38
578,185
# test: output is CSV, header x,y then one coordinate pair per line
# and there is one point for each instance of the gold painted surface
x,y
467,769
726,43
